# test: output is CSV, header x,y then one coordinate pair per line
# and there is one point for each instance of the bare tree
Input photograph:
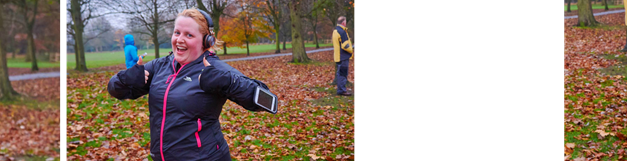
x,y
215,10
28,9
81,12
313,18
286,32
298,46
98,34
6,89
151,14
272,11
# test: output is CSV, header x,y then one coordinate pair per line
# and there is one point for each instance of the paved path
x,y
34,76
274,55
598,14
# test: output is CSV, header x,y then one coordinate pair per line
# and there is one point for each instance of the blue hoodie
x,y
130,51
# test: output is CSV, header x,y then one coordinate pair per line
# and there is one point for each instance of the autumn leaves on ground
x,y
29,129
595,90
312,123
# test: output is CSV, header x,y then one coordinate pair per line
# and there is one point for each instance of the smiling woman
x,y
187,90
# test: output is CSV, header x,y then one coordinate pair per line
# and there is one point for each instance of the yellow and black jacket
x,y
342,46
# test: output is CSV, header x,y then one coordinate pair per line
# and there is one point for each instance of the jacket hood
x,y
128,40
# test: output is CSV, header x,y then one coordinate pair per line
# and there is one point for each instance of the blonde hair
x,y
204,28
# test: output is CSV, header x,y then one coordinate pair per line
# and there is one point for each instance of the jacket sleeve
x,y
336,46
234,86
129,83
134,55
347,45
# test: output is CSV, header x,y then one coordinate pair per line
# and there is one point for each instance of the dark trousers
x,y
341,74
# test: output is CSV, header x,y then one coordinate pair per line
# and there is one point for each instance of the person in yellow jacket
x,y
342,52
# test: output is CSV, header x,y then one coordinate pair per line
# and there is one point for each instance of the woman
x,y
187,92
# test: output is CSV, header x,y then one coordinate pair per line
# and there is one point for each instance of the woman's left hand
x,y
206,63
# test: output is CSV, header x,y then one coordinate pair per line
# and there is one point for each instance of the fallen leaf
x,y
313,156
603,133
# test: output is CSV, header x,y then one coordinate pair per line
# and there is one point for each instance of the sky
x,y
117,20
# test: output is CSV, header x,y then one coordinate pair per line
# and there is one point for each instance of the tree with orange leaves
x,y
246,27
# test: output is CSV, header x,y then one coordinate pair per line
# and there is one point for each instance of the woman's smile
x,y
180,49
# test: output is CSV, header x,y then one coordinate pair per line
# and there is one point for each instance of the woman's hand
x,y
146,74
206,63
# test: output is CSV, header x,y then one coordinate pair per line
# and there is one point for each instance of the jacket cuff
x,y
133,77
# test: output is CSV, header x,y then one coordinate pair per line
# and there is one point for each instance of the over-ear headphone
x,y
208,40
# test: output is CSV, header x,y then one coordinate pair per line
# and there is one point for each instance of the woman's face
x,y
186,40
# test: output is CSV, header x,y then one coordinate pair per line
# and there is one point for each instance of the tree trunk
x,y
315,36
155,40
78,36
298,47
15,51
585,14
224,48
216,23
76,54
568,8
31,49
605,3
216,13
155,30
81,57
8,94
247,50
276,35
284,40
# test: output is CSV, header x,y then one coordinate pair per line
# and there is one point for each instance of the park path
x,y
598,14
275,55
34,76
58,74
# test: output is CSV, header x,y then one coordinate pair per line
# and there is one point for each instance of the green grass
x,y
101,59
333,100
21,63
573,7
620,69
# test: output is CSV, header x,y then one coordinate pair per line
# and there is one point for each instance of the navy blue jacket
x,y
184,112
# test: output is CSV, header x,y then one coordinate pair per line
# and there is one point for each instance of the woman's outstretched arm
x,y
232,84
131,83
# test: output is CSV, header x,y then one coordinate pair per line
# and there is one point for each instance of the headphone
x,y
208,40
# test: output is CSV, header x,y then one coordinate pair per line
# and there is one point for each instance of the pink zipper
x,y
199,128
165,103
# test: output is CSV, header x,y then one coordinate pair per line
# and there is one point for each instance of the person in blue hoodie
x,y
130,51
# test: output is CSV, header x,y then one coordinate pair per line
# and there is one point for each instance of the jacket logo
x,y
187,79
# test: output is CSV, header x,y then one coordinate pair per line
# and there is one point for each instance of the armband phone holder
x,y
266,100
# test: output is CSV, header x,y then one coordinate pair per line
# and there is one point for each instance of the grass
x,y
573,7
109,58
99,115
19,62
620,69
334,100
299,122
